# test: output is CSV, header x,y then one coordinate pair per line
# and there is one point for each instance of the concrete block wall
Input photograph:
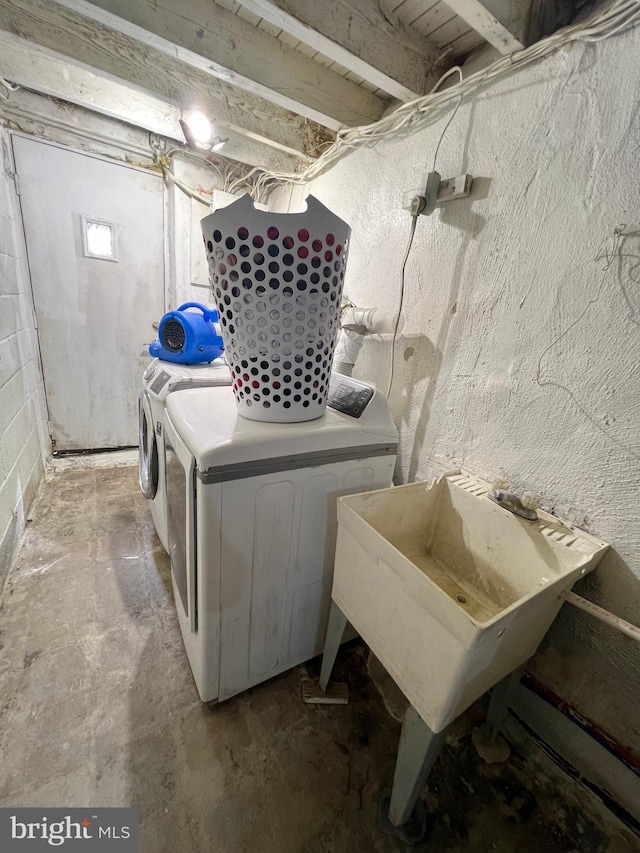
x,y
22,407
519,355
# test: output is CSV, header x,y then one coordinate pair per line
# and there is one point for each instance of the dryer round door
x,y
147,449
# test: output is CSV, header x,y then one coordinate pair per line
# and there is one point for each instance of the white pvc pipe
x,y
604,615
353,321
376,321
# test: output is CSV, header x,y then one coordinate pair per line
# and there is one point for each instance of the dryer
x,y
251,511
160,379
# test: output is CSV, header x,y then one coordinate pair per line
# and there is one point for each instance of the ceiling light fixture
x,y
200,127
199,132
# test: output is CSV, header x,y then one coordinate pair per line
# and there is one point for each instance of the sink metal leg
x,y
418,750
501,696
335,630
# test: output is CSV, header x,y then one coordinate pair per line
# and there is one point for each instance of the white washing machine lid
x,y
162,378
225,445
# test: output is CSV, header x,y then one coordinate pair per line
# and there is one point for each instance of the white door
x,y
95,242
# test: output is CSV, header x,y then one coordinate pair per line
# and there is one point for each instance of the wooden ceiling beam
x,y
33,68
481,18
115,56
204,35
357,35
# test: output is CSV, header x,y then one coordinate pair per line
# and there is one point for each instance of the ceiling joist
x,y
480,17
277,77
111,54
54,76
357,35
207,37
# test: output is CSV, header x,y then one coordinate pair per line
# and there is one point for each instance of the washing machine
x,y
251,510
160,379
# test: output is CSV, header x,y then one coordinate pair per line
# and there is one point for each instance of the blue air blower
x,y
186,337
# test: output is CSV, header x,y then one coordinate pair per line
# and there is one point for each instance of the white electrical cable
x,y
163,160
413,231
185,188
414,222
414,115
446,127
10,87
455,70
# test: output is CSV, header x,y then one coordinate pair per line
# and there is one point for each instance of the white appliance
x,y
160,379
251,511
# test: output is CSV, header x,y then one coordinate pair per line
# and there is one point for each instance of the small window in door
x,y
99,239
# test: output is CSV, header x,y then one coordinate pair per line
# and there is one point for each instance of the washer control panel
x,y
348,396
160,381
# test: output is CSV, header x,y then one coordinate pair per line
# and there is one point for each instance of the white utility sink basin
x,y
451,591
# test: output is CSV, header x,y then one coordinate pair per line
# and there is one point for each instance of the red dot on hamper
x,y
303,235
273,233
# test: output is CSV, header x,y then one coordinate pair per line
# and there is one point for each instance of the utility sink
x,y
451,591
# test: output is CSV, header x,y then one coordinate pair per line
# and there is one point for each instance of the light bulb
x,y
200,127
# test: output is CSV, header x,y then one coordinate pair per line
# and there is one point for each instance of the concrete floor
x,y
98,709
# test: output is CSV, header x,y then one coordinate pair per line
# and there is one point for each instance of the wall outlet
x,y
408,196
453,188
448,190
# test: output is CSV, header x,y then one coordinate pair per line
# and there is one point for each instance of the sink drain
x,y
462,598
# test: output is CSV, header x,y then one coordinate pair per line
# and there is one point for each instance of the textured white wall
x,y
494,284
22,410
188,261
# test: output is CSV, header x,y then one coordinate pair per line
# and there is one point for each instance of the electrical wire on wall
x,y
407,252
609,255
162,159
227,177
9,86
227,172
417,114
412,231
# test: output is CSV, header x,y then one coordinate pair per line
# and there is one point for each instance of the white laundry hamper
x,y
277,279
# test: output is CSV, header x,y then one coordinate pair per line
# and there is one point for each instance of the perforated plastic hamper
x,y
277,279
